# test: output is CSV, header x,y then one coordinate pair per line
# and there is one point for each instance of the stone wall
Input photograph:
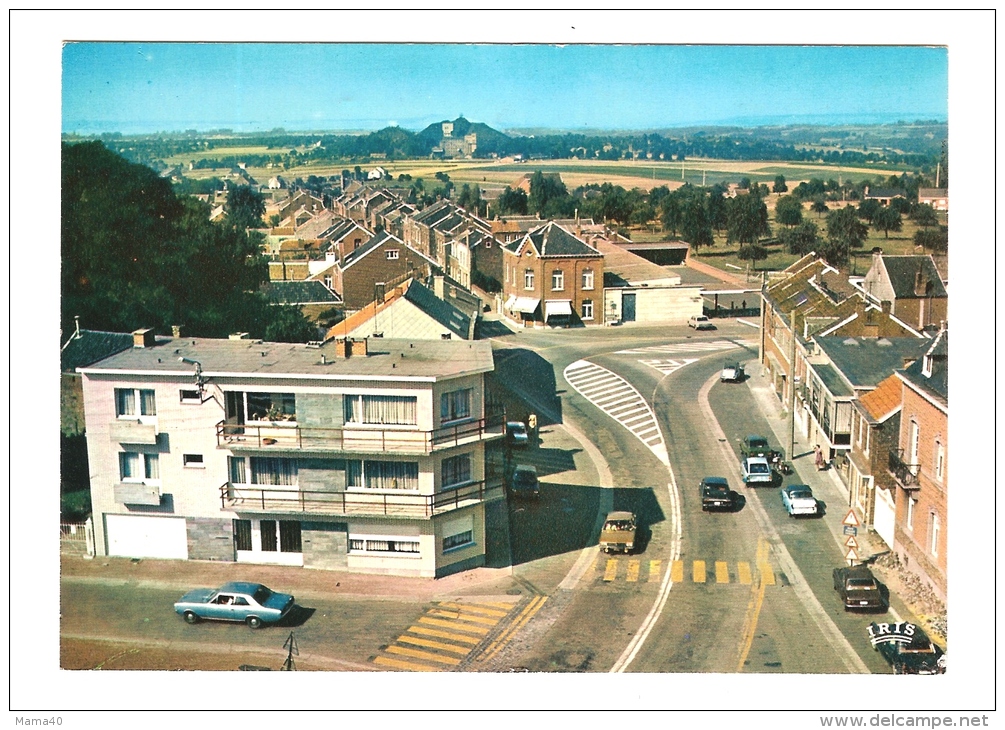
x,y
210,539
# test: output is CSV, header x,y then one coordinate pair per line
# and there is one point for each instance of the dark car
x,y
516,434
756,446
250,603
859,589
524,482
715,494
907,648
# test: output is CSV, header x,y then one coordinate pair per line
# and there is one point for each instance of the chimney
x,y
438,286
144,338
357,348
920,282
176,330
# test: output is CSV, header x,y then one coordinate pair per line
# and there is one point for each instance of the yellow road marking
x,y
463,617
743,572
400,664
633,571
698,571
754,606
654,570
424,655
497,604
430,644
721,572
677,571
767,574
475,609
443,634
612,569
452,625
528,612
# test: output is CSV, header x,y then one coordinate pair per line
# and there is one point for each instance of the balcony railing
x,y
905,474
247,497
284,436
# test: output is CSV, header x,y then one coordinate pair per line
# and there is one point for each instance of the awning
x,y
509,302
558,308
525,305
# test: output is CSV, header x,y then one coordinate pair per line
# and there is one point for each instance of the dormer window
x,y
926,366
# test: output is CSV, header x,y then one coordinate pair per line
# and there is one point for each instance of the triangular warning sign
x,y
851,519
851,555
851,542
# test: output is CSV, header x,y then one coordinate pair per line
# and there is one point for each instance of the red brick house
x,y
384,259
912,285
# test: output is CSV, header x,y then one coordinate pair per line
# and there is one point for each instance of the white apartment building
x,y
366,455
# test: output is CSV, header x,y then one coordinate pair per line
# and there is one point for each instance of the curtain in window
x,y
354,474
391,474
289,536
148,404
269,543
238,473
384,410
129,465
153,466
274,471
456,470
125,402
455,405
242,534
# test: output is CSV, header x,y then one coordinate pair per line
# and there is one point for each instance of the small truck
x,y
618,533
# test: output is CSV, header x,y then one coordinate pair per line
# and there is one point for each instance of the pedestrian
x,y
818,457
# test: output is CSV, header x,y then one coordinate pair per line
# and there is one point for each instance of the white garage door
x,y
141,536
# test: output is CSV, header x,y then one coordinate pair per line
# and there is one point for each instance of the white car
x,y
799,500
756,470
700,322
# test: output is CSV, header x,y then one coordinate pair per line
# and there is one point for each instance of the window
x,y
933,534
273,471
127,400
588,278
911,504
189,396
455,405
528,279
914,437
383,544
455,471
387,410
242,534
329,282
139,468
392,255
192,461
459,540
238,470
273,536
940,460
396,475
557,280
587,309
271,406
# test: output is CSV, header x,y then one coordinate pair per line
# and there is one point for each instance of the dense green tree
x,y
547,193
244,207
868,209
924,215
717,206
800,240
936,241
746,219
512,202
789,211
470,198
844,232
288,324
671,214
819,206
752,253
887,219
780,186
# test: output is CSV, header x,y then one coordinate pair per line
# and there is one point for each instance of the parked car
x,y
618,533
700,322
756,446
907,648
715,494
524,481
799,500
756,470
732,372
859,589
250,603
516,434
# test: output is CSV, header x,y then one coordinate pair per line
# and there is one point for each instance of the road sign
x,y
849,530
852,555
851,519
851,542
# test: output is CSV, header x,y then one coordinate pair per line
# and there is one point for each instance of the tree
x,y
780,186
289,325
545,189
752,253
244,207
936,240
789,211
868,209
887,219
274,220
717,206
924,215
844,232
800,240
671,214
819,206
512,202
746,219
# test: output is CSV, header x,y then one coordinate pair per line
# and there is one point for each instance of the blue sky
x,y
145,87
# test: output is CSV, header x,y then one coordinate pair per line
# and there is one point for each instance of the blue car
x,y
250,603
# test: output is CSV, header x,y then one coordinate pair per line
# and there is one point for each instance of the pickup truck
x,y
732,372
618,533
757,446
859,589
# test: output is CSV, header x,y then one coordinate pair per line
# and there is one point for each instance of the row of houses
x,y
863,363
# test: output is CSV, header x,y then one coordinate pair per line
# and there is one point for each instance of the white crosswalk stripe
x,y
676,347
667,366
617,398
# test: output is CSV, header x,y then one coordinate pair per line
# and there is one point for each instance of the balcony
x,y
253,498
132,432
905,474
291,437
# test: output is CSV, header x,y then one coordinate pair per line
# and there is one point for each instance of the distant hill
x,y
489,140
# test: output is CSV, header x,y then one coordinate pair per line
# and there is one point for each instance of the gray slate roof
x,y
88,346
442,311
866,361
299,292
936,384
553,240
902,271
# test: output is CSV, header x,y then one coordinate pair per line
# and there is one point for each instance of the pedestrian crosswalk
x,y
719,572
679,347
614,396
668,365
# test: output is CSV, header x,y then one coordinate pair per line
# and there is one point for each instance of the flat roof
x,y
427,360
